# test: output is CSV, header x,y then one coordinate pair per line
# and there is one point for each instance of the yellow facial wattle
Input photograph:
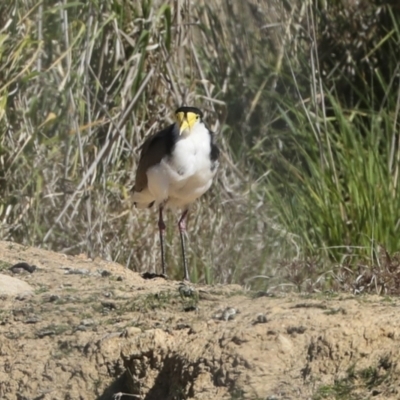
x,y
186,120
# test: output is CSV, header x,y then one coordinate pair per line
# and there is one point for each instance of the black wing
x,y
154,149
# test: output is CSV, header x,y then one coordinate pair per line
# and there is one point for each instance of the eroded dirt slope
x,y
93,329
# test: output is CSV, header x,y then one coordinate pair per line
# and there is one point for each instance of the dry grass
x,y
82,85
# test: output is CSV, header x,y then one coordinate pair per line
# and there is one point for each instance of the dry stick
x,y
203,79
104,109
103,151
40,35
86,63
316,85
396,174
26,67
66,79
172,82
278,66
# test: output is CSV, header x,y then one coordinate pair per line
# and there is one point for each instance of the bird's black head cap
x,y
185,110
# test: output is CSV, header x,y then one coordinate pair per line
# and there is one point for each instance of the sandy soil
x,y
76,328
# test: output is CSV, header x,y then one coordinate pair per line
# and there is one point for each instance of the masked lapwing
x,y
176,166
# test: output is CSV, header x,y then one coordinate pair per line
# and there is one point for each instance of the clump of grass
x,y
153,301
359,383
4,266
334,185
340,199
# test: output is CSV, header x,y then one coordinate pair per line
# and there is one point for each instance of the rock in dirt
x,y
13,286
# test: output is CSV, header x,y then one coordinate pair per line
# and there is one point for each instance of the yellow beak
x,y
186,121
183,125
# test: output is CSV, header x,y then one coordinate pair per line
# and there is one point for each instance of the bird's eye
x,y
197,116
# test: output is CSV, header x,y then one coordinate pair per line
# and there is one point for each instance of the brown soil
x,y
93,330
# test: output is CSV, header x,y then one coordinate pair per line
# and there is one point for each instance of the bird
x,y
176,166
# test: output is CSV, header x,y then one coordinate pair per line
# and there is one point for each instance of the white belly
x,y
190,189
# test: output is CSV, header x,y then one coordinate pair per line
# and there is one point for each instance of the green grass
x,y
359,384
4,265
347,205
42,289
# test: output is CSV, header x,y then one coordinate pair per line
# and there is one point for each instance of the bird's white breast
x,y
191,154
186,174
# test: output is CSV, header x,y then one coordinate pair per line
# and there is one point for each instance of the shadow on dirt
x,y
118,386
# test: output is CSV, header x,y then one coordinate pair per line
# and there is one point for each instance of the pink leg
x,y
182,231
161,227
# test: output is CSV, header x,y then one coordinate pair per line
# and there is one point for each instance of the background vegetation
x,y
304,97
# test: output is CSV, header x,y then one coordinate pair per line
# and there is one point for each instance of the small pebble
x,y
260,319
32,320
109,304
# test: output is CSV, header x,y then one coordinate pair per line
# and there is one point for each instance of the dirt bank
x,y
92,329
